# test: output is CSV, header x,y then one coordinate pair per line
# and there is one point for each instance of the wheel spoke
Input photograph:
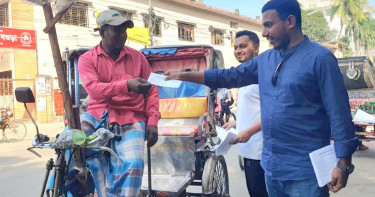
x,y
15,131
219,180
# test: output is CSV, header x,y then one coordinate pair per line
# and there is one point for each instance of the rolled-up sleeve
x,y
336,103
243,75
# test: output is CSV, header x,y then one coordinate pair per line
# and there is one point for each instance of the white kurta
x,y
248,113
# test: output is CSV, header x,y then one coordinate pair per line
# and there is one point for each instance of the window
x,y
4,19
156,26
125,13
186,32
232,37
76,15
233,25
217,37
6,86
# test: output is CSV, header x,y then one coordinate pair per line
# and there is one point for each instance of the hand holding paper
x,y
361,116
324,161
226,137
139,85
339,180
159,80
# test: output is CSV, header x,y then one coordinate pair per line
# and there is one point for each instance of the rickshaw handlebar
x,y
37,144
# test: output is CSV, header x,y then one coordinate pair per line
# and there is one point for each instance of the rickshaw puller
x,y
115,77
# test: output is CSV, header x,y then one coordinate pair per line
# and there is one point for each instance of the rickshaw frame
x,y
206,161
204,167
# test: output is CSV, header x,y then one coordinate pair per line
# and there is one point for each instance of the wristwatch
x,y
348,169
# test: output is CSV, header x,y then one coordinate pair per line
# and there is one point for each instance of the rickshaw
x,y
183,155
359,80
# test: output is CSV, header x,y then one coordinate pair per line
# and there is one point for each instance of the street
x,y
22,172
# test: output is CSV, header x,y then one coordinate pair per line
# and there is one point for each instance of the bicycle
x,y
13,130
69,145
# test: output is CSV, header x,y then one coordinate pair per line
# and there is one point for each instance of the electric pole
x,y
151,15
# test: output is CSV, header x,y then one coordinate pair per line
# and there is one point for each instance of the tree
x,y
366,36
362,34
349,11
344,42
316,26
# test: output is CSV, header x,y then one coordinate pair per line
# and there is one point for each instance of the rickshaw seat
x,y
190,131
190,108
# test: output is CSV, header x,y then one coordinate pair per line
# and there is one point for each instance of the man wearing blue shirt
x,y
303,103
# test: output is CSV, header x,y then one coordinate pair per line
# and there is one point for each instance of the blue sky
x,y
251,8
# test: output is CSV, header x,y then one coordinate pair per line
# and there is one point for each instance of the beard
x,y
281,41
119,44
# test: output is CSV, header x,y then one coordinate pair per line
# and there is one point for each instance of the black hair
x,y
253,37
285,8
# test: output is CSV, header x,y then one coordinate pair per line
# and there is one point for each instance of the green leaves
x,y
316,26
359,24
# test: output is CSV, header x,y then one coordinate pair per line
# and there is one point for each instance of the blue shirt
x,y
298,113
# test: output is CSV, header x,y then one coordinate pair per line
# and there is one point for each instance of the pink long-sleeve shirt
x,y
106,80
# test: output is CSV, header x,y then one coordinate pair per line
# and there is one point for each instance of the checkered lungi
x,y
122,176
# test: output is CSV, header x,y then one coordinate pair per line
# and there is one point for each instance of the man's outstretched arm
x,y
196,77
243,75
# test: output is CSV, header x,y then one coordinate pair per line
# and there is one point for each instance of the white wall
x,y
75,37
6,59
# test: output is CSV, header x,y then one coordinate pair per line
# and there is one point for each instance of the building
x,y
173,21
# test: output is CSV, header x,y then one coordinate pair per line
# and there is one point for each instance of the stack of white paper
x,y
324,161
225,137
361,116
159,80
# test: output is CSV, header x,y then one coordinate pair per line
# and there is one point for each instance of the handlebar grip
x,y
117,138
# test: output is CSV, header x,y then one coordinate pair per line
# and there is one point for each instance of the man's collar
x,y
286,52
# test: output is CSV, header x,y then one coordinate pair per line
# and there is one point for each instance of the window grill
x,y
4,16
186,32
6,86
156,24
217,37
157,27
233,25
126,14
232,38
76,15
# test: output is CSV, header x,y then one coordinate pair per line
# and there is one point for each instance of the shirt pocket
x,y
303,88
302,80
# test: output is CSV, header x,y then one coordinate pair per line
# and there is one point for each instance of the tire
x,y
15,131
215,177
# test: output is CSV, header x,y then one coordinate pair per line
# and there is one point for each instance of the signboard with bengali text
x,y
17,38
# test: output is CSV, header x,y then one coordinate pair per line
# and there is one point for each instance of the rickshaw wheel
x,y
215,177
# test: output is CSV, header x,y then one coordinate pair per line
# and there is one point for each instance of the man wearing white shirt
x,y
250,138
